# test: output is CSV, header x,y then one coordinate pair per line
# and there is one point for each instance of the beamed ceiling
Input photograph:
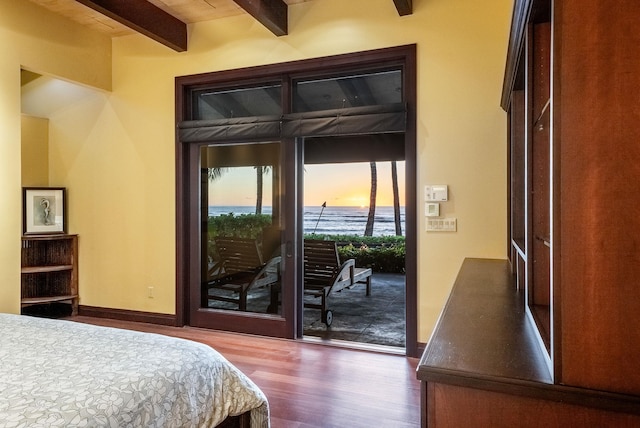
x,y
166,20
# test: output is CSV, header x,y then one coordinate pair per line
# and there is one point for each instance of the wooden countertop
x,y
483,330
484,340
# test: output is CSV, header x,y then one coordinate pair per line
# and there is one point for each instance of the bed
x,y
63,373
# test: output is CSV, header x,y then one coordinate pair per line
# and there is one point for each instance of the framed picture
x,y
44,210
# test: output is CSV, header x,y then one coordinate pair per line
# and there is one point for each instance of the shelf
x,y
546,241
50,299
48,237
49,271
43,269
542,317
545,109
518,244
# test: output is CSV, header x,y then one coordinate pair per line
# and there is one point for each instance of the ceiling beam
x,y
145,18
270,13
404,7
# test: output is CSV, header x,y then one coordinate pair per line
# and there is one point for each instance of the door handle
x,y
289,249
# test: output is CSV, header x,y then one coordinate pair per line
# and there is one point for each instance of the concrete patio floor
x,y
376,319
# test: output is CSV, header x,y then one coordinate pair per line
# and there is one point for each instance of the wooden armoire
x,y
551,337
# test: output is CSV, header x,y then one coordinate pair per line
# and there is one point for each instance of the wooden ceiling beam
x,y
145,18
404,7
273,14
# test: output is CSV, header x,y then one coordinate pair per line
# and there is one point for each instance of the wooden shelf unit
x,y
549,338
50,270
570,91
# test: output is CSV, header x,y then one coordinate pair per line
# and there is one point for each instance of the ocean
x,y
332,220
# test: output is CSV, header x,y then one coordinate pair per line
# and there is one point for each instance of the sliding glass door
x,y
243,138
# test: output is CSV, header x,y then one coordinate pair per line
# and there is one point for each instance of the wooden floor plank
x,y
311,385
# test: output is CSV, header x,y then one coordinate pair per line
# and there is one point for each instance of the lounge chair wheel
x,y
327,317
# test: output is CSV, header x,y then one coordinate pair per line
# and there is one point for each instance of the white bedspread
x,y
57,373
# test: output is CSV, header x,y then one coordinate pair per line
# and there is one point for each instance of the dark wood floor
x,y
313,385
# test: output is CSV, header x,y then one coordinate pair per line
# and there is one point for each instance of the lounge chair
x,y
324,274
240,268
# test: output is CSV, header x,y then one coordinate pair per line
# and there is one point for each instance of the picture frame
x,y
44,210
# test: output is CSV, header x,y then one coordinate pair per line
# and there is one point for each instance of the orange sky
x,y
337,184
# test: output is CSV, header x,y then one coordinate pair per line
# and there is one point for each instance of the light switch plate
x,y
448,224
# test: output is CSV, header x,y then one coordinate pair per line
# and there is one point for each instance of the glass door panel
x,y
241,228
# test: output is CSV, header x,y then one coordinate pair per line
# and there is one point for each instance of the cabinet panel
x,y
598,131
454,406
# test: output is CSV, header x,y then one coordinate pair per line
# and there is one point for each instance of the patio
x,y
376,319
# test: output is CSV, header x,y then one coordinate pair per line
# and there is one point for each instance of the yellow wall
x,y
115,151
34,39
35,151
10,183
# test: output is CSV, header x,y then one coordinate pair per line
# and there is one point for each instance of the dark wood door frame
x,y
187,198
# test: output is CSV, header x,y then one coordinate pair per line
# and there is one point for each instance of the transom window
x,y
357,90
226,103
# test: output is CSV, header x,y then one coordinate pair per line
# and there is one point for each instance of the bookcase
x,y
571,94
49,271
550,337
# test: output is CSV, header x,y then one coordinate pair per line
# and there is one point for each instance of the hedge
x,y
380,253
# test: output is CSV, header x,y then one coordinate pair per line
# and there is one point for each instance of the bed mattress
x,y
56,373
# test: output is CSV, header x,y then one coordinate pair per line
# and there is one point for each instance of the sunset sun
x,y
359,201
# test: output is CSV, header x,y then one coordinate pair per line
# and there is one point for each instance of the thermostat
x,y
431,209
436,193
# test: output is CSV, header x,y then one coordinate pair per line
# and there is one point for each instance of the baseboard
x,y
127,315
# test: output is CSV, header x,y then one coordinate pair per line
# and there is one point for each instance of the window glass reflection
x,y
348,91
242,102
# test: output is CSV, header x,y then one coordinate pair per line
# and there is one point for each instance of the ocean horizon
x,y
332,220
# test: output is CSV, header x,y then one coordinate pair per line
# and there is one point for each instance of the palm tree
x,y
259,172
368,230
215,173
396,198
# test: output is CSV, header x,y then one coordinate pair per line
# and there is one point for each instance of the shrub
x,y
358,240
380,253
243,225
383,258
